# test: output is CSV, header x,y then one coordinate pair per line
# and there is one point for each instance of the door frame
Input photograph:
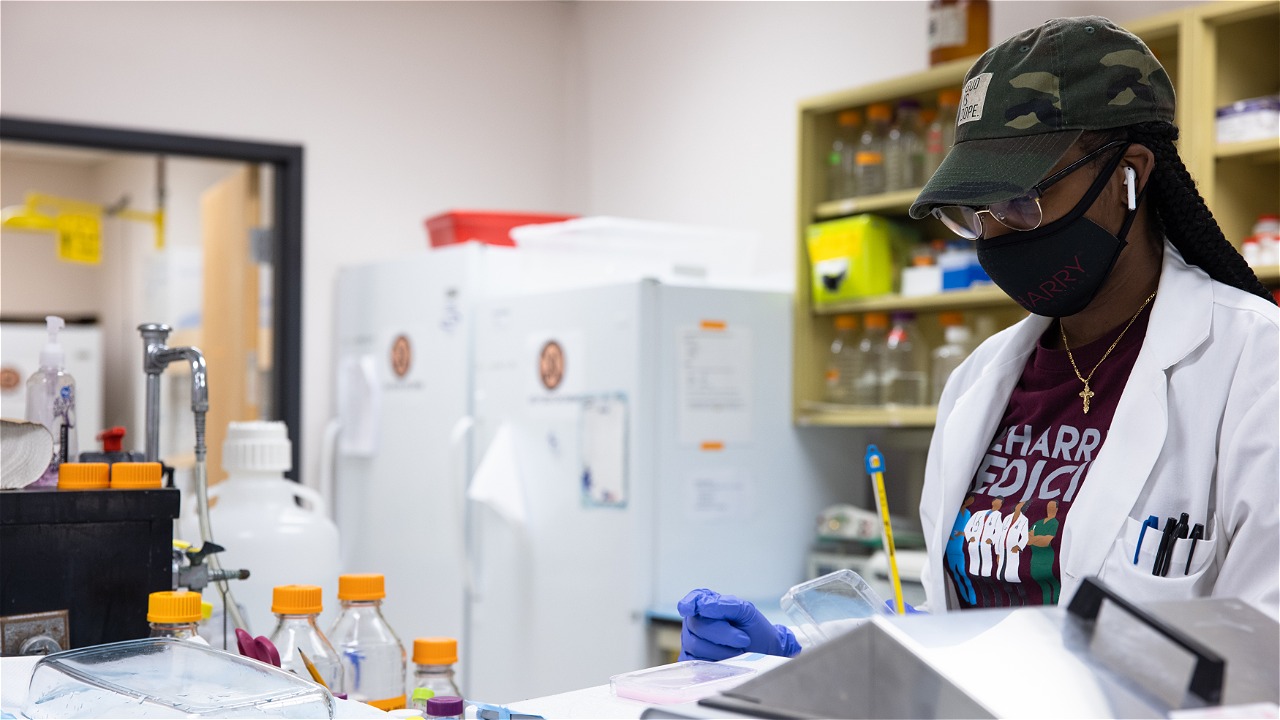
x,y
286,161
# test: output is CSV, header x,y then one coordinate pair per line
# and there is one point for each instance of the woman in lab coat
x,y
1144,382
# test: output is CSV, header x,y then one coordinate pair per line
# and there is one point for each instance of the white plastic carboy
x,y
256,517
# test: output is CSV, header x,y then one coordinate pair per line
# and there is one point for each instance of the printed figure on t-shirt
x,y
973,540
1014,534
955,553
991,525
1042,555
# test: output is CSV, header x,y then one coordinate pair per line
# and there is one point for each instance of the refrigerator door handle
x,y
459,442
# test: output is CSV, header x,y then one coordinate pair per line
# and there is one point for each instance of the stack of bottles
x,y
894,149
889,364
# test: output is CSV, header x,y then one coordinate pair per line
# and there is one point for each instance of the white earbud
x,y
1130,180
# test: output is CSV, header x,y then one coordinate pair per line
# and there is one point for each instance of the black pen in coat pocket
x,y
1197,533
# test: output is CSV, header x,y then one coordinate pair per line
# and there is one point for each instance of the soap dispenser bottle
x,y
51,401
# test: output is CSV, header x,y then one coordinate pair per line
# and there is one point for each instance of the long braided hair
x,y
1180,212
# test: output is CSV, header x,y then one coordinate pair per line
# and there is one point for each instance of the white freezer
x,y
402,357
664,461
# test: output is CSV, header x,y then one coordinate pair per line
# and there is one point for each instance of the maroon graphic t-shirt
x,y
1004,545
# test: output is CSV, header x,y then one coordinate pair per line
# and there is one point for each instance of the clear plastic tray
x,y
168,678
831,605
679,682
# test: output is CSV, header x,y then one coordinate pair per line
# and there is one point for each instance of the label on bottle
x,y
868,157
388,704
948,26
833,376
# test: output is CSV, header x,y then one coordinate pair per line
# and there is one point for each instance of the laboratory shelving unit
x,y
1215,54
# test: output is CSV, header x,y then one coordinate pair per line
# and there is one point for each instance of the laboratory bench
x,y
1190,658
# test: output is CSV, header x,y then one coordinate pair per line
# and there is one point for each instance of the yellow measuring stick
x,y
875,467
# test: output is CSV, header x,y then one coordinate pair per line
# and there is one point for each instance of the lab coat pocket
x,y
1136,583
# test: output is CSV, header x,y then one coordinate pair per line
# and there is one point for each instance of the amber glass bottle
x,y
957,29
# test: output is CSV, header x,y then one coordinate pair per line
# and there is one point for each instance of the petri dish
x,y
679,682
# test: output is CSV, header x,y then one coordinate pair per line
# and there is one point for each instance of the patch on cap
x,y
974,97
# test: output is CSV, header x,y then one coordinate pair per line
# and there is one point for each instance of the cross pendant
x,y
1086,393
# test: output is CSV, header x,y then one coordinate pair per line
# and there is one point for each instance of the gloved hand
x,y
893,608
720,626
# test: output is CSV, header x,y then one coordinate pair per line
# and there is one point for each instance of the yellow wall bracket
x,y
78,224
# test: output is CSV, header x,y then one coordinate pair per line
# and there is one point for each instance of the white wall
x,y
672,111
690,107
404,109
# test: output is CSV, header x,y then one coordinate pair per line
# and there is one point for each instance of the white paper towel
x,y
497,480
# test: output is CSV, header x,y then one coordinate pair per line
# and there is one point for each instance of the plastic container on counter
x,y
831,605
166,677
679,682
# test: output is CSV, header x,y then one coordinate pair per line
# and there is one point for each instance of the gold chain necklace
x,y
1087,393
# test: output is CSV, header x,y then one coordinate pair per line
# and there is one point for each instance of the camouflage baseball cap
x,y
1025,101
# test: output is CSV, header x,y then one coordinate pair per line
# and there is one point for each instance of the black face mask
x,y
1058,268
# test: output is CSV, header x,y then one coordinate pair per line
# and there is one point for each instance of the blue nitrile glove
x,y
893,608
720,626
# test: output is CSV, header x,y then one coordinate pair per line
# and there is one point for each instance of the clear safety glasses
x,y
1021,213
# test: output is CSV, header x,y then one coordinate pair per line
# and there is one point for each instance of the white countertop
x,y
599,702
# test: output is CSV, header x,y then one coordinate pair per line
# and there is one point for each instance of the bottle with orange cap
x,y
941,132
844,361
948,356
298,638
869,160
433,660
373,659
174,614
867,387
841,156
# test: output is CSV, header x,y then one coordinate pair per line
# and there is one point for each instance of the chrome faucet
x,y
156,356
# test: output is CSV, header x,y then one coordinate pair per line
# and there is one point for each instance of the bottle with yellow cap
x,y
373,659
433,660
174,613
296,635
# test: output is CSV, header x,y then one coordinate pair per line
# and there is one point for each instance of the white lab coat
x,y
1197,430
